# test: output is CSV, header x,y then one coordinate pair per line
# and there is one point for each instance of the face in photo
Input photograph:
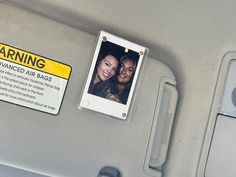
x,y
112,76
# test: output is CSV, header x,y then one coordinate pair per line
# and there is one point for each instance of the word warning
x,y
32,81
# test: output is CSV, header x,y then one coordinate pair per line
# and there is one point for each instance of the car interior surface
x,y
60,118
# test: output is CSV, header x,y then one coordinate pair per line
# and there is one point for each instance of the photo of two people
x,y
114,72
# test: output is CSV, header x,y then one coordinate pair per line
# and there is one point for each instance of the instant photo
x,y
112,76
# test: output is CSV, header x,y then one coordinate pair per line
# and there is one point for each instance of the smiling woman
x,y
119,91
105,70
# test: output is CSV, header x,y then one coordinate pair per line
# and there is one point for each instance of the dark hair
x,y
97,88
123,96
99,59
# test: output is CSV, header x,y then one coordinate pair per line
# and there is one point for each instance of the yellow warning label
x,y
34,61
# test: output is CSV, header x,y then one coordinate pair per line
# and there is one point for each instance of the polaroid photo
x,y
112,76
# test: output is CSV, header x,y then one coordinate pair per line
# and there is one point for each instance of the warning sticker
x,y
31,80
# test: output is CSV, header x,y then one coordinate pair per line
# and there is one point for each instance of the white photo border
x,y
103,105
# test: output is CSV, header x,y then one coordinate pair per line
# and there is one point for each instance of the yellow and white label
x,y
31,80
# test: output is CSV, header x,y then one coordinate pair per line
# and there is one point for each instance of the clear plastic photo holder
x,y
116,64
